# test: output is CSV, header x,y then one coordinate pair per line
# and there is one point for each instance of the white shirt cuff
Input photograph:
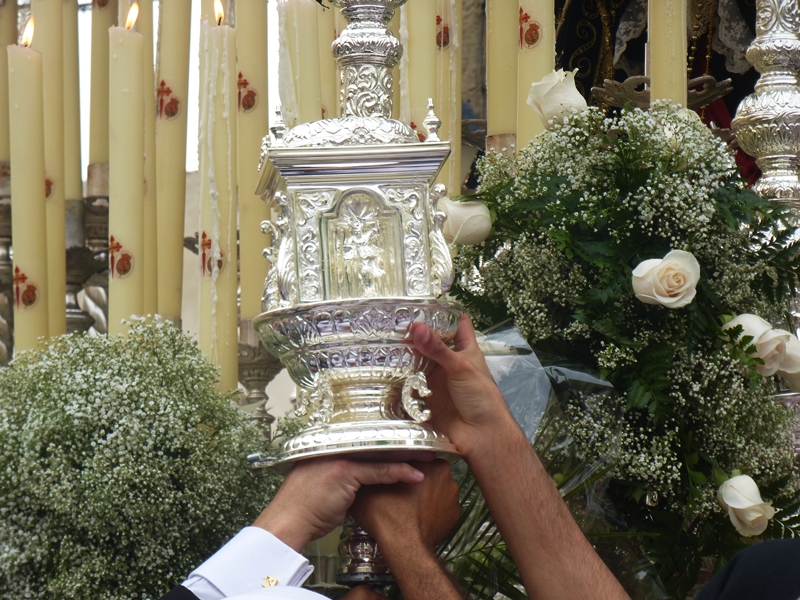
x,y
244,563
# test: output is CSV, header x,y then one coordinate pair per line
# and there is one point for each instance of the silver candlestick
x,y
767,123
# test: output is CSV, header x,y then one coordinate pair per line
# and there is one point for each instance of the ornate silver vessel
x,y
358,256
767,123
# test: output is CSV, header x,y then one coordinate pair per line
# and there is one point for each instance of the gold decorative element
x,y
269,581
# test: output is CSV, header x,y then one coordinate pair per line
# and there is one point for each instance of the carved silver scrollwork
x,y
767,123
415,407
442,274
309,253
367,91
408,199
318,399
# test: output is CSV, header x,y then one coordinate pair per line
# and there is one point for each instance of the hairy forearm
x,y
417,570
552,555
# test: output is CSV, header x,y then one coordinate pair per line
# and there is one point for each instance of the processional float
x,y
357,256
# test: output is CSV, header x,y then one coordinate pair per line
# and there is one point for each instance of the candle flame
x,y
219,12
133,14
27,35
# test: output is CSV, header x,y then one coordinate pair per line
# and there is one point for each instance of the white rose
x,y
555,96
770,343
790,365
747,511
669,281
468,223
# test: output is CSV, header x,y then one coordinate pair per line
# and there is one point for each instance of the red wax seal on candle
x,y
26,293
168,105
248,97
99,3
442,33
528,36
120,260
48,187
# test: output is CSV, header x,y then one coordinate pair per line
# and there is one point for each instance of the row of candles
x,y
138,127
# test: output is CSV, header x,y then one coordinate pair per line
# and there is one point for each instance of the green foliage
x,y
576,212
121,466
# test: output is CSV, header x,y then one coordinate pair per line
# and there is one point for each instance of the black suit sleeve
x,y
767,571
180,593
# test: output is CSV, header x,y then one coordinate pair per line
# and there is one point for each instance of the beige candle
x,y
73,176
172,92
50,42
28,220
104,15
326,28
144,25
418,34
8,36
126,175
536,58
253,125
299,61
218,335
502,35
448,87
667,46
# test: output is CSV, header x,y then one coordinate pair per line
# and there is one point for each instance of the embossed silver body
x,y
767,123
358,255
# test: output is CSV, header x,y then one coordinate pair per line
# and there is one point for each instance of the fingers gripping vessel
x,y
357,256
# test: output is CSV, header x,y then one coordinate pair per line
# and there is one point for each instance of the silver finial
x,y
432,123
279,127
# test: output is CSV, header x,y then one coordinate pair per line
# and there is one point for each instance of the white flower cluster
x,y
627,190
121,467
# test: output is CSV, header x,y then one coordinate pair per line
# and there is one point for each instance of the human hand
x,y
403,514
362,593
465,403
316,494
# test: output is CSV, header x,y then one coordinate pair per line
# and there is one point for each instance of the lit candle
x,y
126,174
104,15
326,28
253,124
50,42
418,34
8,36
28,221
667,48
218,335
536,58
448,88
172,92
502,19
299,61
144,25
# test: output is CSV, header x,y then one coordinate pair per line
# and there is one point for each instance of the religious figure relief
x,y
168,105
529,34
120,260
442,33
248,97
362,245
26,292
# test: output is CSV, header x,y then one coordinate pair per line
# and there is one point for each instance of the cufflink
x,y
269,581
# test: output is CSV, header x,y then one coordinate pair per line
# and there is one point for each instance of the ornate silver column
x,y
358,256
767,123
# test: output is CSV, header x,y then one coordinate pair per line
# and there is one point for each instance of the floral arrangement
x,y
628,244
121,466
